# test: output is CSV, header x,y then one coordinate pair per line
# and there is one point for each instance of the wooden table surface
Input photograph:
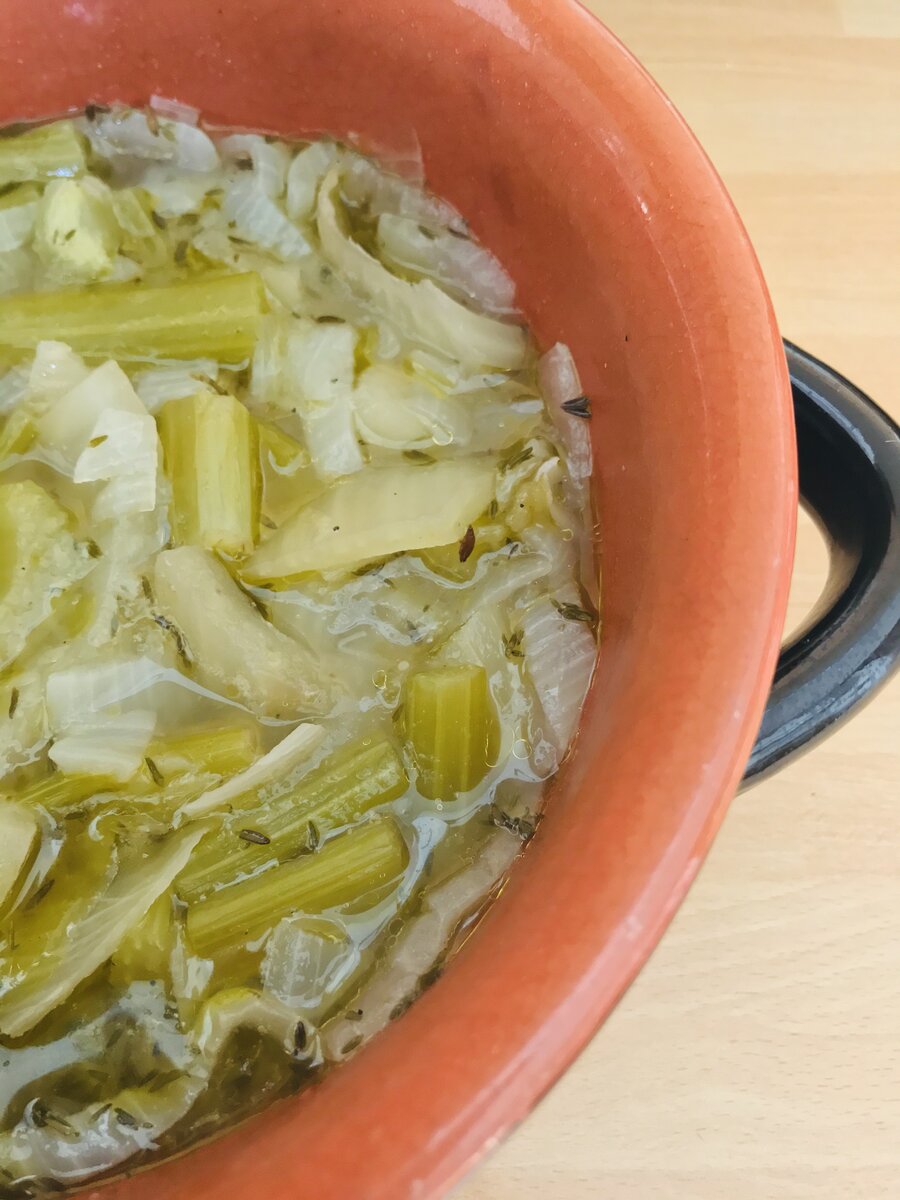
x,y
758,1055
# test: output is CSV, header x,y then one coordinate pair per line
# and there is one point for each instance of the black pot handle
x,y
849,456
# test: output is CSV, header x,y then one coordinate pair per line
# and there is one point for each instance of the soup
x,y
297,616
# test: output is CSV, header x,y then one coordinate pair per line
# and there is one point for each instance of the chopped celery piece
x,y
212,316
212,459
214,750
19,837
42,153
233,646
60,793
76,235
451,723
376,513
278,764
356,866
458,561
75,949
338,792
146,949
39,557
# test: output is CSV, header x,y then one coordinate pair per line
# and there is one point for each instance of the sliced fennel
x,y
376,513
76,952
233,646
421,310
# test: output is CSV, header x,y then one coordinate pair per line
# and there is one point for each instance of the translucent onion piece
x,y
77,951
309,168
113,748
257,218
421,310
560,654
419,946
560,383
455,262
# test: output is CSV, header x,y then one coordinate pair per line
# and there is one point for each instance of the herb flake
x,y
254,837
574,612
578,406
467,545
155,774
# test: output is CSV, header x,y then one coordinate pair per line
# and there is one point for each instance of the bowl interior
x,y
573,168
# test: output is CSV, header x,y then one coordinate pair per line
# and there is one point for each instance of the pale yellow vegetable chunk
x,y
378,512
19,836
39,558
234,647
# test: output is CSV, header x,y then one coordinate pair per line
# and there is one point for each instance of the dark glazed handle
x,y
849,454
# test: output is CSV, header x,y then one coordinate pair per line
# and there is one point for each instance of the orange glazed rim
x,y
573,167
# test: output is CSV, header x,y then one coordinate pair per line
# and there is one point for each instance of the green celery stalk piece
x,y
47,152
451,723
59,793
208,316
211,450
338,792
215,750
353,868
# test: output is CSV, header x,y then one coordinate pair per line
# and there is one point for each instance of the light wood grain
x,y
758,1055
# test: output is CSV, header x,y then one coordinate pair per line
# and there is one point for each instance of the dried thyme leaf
x,y
254,836
179,638
155,774
467,545
419,456
13,702
574,612
515,460
579,406
39,895
512,645
352,1044
522,827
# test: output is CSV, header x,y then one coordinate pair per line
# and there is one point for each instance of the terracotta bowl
x,y
573,167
